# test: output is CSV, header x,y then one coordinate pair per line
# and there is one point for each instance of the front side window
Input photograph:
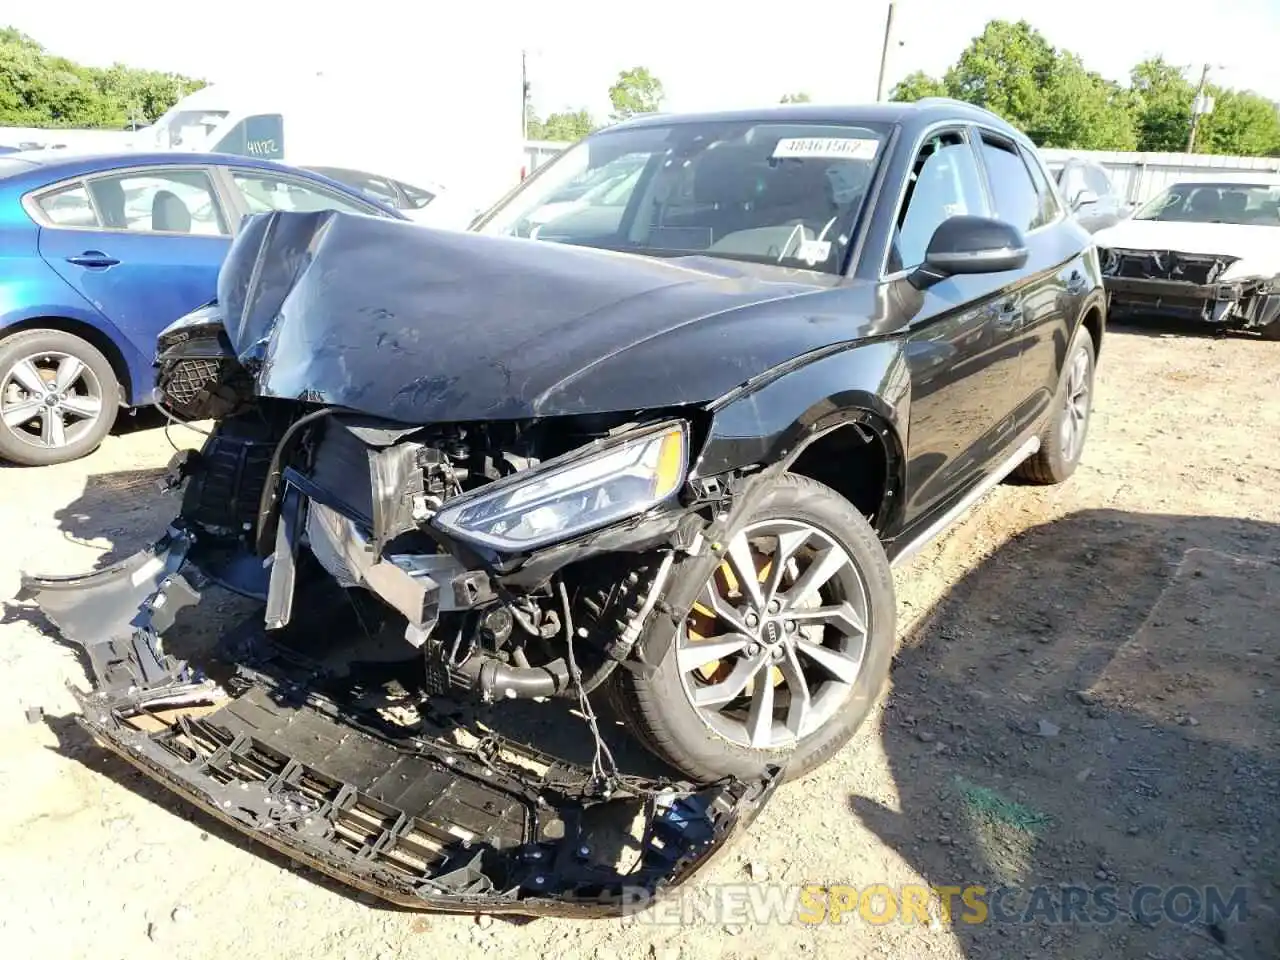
x,y
264,192
1072,181
371,186
787,193
1015,197
944,183
1097,180
417,196
161,201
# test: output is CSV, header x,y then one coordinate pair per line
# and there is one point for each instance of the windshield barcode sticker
x,y
814,252
827,148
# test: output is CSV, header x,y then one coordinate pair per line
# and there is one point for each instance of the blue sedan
x,y
100,253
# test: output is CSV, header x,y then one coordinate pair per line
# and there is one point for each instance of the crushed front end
x,y
411,588
1185,286
344,722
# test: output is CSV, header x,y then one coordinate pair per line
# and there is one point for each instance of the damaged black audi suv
x,y
653,431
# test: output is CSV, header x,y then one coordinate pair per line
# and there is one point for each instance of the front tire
x,y
776,662
1064,434
58,398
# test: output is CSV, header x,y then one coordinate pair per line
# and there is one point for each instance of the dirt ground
x,y
1088,693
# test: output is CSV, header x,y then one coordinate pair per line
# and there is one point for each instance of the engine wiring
x,y
173,419
604,768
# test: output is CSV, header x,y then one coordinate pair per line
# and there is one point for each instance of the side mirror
x,y
968,245
1083,198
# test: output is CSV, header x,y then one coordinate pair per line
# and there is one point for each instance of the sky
x,y
708,53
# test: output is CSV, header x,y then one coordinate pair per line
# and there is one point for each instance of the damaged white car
x,y
1199,251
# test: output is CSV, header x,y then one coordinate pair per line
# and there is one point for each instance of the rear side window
x,y
68,207
1016,200
1048,202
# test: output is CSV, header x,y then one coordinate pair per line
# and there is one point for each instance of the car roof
x,y
47,166
916,115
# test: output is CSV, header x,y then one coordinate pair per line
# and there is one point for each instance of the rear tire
x,y
815,701
1272,330
1063,438
58,398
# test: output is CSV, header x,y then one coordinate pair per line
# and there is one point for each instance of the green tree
x,y
800,97
635,91
1242,123
1083,111
917,86
1162,97
38,89
566,126
1012,70
1009,69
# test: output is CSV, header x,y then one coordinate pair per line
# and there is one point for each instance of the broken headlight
x,y
570,496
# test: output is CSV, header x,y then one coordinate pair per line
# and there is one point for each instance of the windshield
x,y
1240,203
780,192
186,129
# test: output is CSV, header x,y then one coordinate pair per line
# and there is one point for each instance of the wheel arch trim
x,y
865,388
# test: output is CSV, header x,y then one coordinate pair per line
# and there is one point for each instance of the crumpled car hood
x,y
420,325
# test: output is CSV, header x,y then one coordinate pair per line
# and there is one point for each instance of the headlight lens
x,y
558,502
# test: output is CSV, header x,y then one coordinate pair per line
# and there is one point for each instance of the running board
x,y
931,532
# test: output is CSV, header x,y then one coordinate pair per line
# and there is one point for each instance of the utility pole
x,y
884,53
524,95
1198,109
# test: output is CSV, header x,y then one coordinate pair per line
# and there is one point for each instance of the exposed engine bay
x,y
373,506
1187,286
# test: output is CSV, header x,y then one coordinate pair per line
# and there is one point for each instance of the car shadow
x,y
128,422
1094,706
1164,327
126,508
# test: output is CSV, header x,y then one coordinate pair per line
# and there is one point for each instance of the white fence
x,y
1140,176
1136,176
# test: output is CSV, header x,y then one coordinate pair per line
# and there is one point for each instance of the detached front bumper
x,y
1209,302
412,813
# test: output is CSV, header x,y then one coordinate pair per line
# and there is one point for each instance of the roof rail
x,y
952,101
955,102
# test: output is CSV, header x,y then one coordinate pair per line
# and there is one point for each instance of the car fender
x,y
772,419
32,292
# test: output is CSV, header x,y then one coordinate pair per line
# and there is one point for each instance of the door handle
x,y
1009,315
93,258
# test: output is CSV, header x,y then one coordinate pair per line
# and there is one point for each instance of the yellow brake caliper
x,y
701,622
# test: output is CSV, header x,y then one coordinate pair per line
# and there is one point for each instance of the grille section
x,y
189,377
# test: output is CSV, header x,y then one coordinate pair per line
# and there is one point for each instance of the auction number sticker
x,y
827,148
